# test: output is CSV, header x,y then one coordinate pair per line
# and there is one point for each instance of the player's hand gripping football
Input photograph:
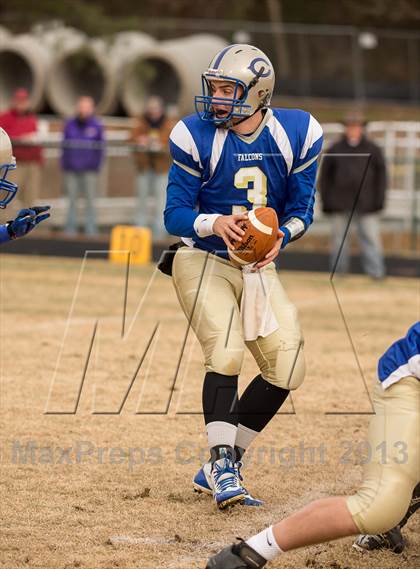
x,y
271,255
228,228
26,220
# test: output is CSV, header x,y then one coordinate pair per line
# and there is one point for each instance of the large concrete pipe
x,y
80,67
127,46
24,63
4,33
171,70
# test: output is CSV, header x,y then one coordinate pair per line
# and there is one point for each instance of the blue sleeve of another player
x,y
4,234
299,210
184,183
400,352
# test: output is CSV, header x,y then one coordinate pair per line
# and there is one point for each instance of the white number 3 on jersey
x,y
255,181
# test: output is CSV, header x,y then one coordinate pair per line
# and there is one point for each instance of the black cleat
x,y
392,540
237,556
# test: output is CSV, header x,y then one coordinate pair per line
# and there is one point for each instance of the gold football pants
x,y
209,290
394,469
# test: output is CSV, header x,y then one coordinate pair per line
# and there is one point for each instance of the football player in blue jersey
x,y
386,495
235,154
26,219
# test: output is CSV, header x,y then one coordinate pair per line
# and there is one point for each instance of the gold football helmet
x,y
252,74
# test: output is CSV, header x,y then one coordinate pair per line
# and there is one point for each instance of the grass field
x,y
91,483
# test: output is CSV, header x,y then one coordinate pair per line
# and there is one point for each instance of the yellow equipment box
x,y
134,240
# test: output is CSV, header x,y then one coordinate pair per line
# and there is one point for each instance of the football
x,y
261,229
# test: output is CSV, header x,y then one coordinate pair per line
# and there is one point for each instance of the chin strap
x,y
229,124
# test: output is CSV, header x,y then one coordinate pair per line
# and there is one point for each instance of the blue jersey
x,y
217,171
402,359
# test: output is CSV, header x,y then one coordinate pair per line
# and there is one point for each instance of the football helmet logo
x,y
252,74
265,72
7,162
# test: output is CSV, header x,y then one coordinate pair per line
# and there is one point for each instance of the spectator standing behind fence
x,y
358,166
21,124
151,135
81,160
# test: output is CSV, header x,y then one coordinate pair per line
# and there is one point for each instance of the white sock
x,y
245,436
220,433
265,544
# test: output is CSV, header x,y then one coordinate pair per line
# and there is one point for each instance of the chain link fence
x,y
341,62
116,199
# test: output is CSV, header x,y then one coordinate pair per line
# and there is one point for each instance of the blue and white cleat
x,y
202,483
227,489
248,499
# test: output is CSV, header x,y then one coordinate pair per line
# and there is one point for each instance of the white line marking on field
x,y
206,547
131,540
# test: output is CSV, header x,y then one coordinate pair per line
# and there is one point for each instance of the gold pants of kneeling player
x,y
209,290
394,470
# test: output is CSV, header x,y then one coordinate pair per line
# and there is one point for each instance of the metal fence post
x,y
357,67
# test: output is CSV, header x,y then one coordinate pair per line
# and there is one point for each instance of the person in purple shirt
x,y
83,142
27,218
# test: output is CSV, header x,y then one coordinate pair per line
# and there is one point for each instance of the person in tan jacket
x,y
151,135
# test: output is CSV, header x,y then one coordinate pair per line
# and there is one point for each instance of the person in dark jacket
x,y
353,179
81,160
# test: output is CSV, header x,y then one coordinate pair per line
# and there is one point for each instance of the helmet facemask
x,y
7,188
236,106
7,163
